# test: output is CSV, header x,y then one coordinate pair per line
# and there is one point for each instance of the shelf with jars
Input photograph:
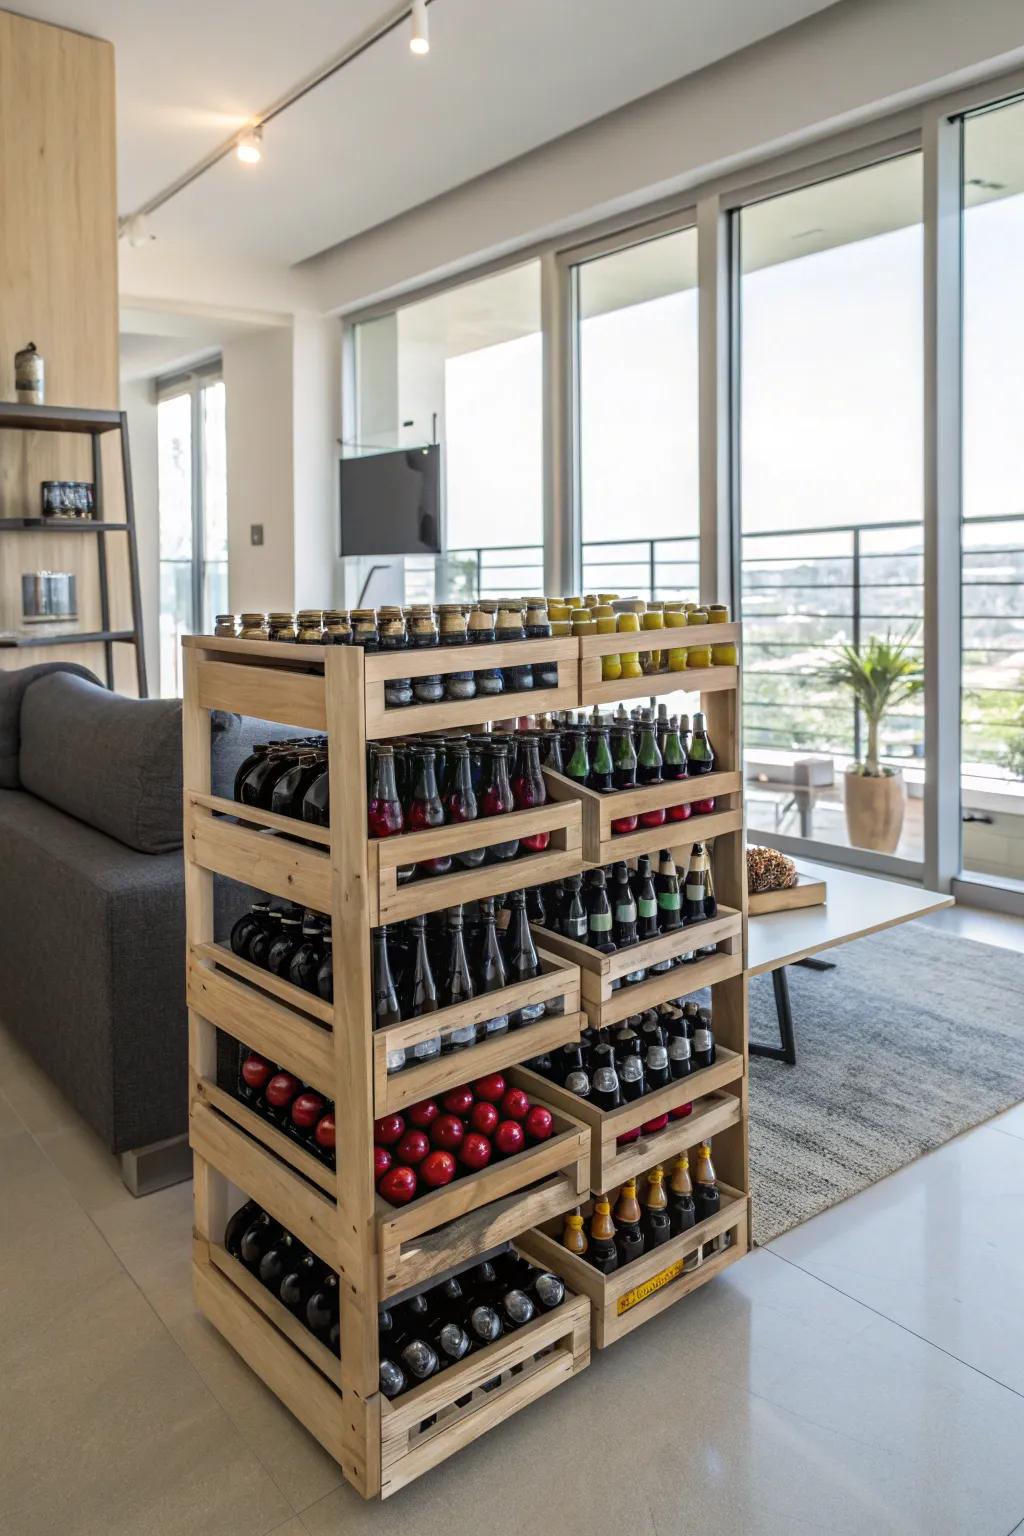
x,y
644,650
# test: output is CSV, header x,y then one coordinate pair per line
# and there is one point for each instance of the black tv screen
x,y
389,503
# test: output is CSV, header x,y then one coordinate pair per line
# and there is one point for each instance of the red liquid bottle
x,y
497,799
648,768
528,791
426,809
461,804
674,767
384,809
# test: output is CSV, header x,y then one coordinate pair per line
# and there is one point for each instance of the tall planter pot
x,y
874,810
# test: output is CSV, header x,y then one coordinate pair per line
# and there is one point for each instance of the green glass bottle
x,y
578,766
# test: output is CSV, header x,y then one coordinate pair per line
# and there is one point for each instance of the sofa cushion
x,y
112,762
12,689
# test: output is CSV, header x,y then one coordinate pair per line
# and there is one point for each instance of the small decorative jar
x,y
724,654
457,685
629,624
337,629
698,655
310,622
283,628
225,626
364,629
423,636
254,626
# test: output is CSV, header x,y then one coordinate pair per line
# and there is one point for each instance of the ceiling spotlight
x,y
419,41
250,146
136,231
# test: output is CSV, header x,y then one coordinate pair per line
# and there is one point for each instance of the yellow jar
x,y
675,618
629,624
611,665
560,627
607,597
698,655
571,603
654,618
582,623
254,626
557,609
724,654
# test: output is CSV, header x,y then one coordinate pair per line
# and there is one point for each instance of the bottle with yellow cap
x,y
656,1225
698,655
706,1199
574,1239
601,1250
681,1211
629,1237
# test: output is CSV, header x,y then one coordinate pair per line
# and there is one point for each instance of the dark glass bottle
x,y
646,900
674,768
666,885
706,1198
497,799
695,888
491,975
624,771
384,809
460,800
290,789
484,1325
632,1077
259,944
322,1306
704,1041
601,1249
421,991
605,1091
536,906
552,750
625,926
656,1068
681,1211
661,729
602,769
242,1219
386,1010
258,753
627,1217
278,1259
299,1282
247,927
657,1227
599,914
529,791
649,769
426,810
680,1057
573,919
257,788
305,962
316,802
325,970
261,1233
283,947
458,982
523,964
700,754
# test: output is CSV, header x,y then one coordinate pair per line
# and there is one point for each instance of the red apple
x,y
538,1123
627,1136
381,1161
475,1151
257,1070
422,1114
484,1117
413,1148
515,1105
509,1138
281,1089
398,1185
657,1124
389,1130
459,1101
491,1088
447,1131
324,1136
681,1112
306,1110
436,1169
703,807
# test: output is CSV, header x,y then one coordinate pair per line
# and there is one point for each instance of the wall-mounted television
x,y
390,503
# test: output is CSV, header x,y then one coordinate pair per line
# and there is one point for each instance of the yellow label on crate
x,y
641,1292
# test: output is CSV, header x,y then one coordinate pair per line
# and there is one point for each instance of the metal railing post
x,y
856,637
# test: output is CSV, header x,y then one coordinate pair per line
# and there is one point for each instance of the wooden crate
x,y
392,903
611,1164
559,982
703,680
806,893
632,1295
603,846
604,1004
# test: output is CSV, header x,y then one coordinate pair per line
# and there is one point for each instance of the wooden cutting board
x,y
806,893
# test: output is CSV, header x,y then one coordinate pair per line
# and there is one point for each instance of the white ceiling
x,y
390,130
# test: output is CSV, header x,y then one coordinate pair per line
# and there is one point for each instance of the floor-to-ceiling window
x,y
464,369
992,715
635,312
192,491
831,489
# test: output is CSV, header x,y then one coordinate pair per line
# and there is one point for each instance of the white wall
x,y
137,398
839,67
258,386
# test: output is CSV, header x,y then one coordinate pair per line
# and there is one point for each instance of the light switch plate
x,y
256,533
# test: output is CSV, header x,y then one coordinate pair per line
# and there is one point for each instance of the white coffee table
x,y
856,905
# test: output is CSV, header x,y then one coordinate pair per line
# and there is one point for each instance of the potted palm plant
x,y
881,675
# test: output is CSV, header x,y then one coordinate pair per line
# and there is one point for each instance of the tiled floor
x,y
863,1375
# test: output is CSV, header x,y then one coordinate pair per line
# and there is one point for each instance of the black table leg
x,y
787,1050
814,964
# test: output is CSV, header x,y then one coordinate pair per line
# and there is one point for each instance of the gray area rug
x,y
913,1038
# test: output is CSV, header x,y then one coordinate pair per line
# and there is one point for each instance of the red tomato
x,y
324,1136
436,1169
281,1089
475,1151
381,1161
484,1117
257,1070
447,1131
412,1148
389,1130
538,1123
509,1137
422,1114
459,1101
306,1110
491,1088
515,1105
398,1185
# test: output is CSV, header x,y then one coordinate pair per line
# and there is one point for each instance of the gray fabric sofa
x,y
92,929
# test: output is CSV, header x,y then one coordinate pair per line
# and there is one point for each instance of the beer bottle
x,y
421,990
632,1077
325,970
656,1224
710,899
574,1239
602,770
599,914
629,1239
523,964
700,759
661,729
646,900
284,945
696,885
601,1250
529,791
623,758
648,769
667,887
577,1078
625,926
426,810
656,1068
247,927
492,969
384,809
691,1016
605,1091
578,766
706,1199
515,1308
675,768
547,1290
703,1040
322,1307
680,1057
573,921
460,801
681,1211
305,963
497,799
242,1219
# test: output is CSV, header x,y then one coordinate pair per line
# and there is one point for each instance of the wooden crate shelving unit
x,y
378,1250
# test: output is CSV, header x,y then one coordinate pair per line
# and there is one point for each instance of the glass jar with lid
x,y
391,629
605,622
489,681
537,626
698,655
457,685
628,623
675,618
337,629
724,653
508,629
254,626
364,629
225,625
310,624
283,627
423,636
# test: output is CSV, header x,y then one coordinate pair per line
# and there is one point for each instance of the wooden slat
x,y
284,1321
412,847
267,693
470,658
700,680
680,981
258,976
302,1208
451,714
261,1130
284,1037
294,871
259,652
396,903
291,826
674,639
674,835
